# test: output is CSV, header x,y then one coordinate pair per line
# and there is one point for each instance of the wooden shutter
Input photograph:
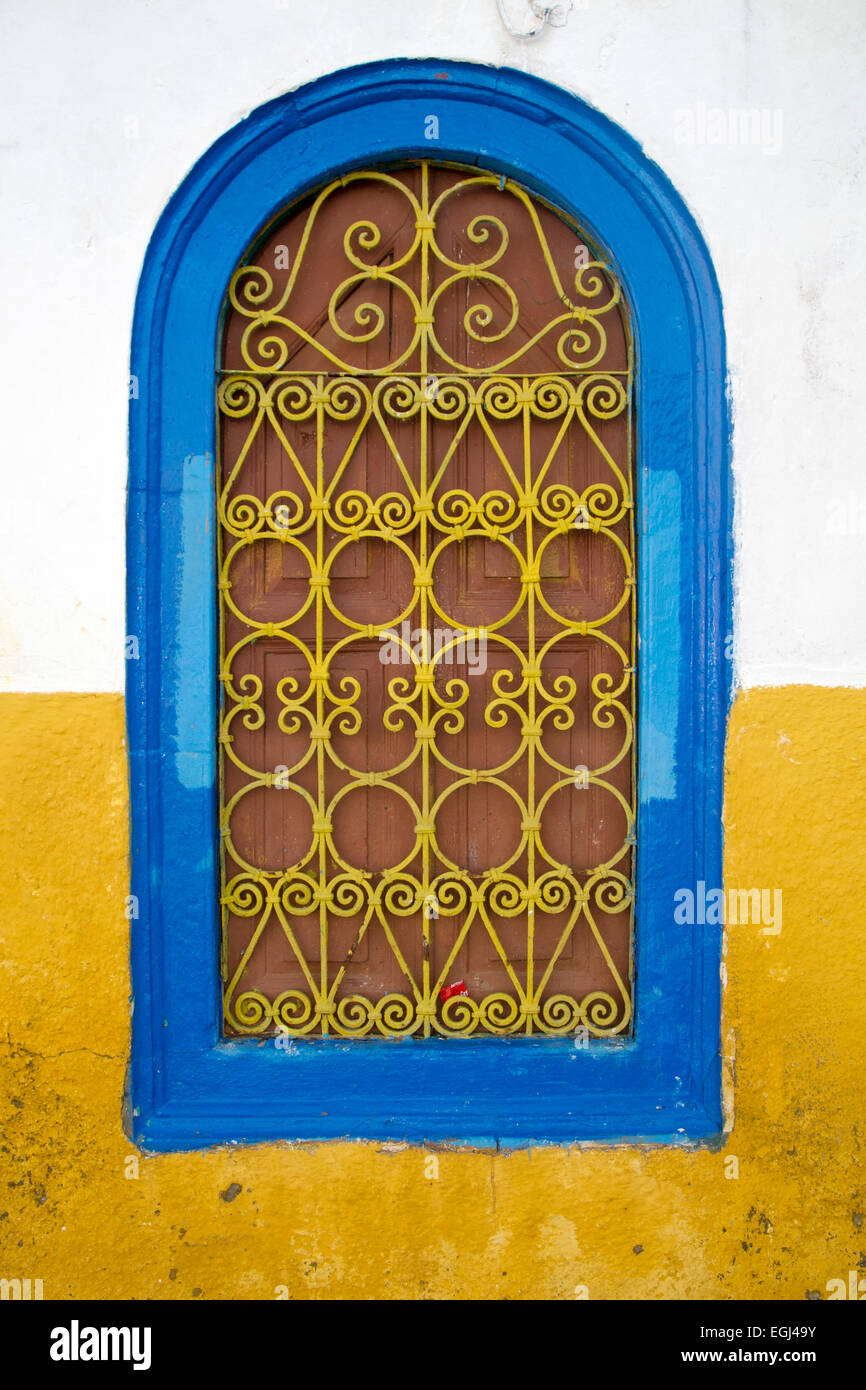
x,y
426,424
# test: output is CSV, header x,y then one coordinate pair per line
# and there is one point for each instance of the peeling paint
x,y
360,1220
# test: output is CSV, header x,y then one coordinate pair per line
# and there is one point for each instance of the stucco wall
x,y
107,107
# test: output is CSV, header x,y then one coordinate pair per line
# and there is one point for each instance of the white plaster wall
x,y
107,104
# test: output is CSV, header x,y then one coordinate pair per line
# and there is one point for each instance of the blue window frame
x,y
189,1086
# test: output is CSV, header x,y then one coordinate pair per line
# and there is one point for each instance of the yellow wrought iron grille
x,y
425,401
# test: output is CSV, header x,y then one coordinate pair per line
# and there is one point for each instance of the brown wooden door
x,y
425,441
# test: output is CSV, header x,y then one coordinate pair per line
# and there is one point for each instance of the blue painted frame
x,y
188,1087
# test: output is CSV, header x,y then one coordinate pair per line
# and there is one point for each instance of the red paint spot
x,y
447,991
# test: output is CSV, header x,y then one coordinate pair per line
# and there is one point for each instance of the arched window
x,y
400,769
427,636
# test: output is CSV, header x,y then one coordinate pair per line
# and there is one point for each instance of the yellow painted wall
x,y
357,1221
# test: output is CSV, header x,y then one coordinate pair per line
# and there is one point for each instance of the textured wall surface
x,y
93,1219
145,88
138,92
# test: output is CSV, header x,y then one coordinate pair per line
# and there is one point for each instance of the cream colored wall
x,y
107,106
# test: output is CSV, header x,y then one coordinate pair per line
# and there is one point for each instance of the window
x,y
444,862
426,597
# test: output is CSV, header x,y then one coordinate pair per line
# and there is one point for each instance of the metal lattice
x,y
471,377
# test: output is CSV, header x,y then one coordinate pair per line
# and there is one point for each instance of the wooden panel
x,y
535,430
